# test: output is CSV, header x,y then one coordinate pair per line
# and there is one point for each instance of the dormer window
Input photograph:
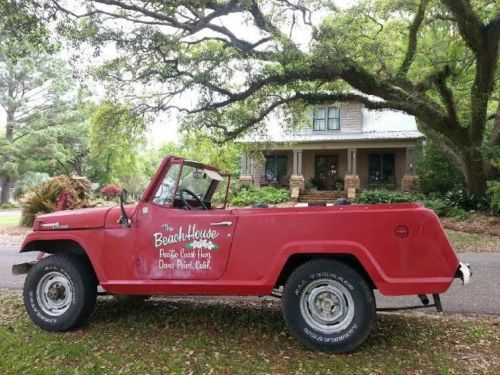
x,y
326,118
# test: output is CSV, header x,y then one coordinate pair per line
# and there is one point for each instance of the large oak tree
x,y
34,85
436,60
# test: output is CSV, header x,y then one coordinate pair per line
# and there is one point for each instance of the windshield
x,y
193,178
165,193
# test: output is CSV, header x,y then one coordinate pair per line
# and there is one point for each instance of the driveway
x,y
481,295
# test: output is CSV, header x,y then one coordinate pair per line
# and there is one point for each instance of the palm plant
x,y
43,198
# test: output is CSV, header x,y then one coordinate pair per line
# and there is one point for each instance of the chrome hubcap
x,y
327,306
54,293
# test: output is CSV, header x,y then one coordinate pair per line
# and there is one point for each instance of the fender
x,y
385,284
35,240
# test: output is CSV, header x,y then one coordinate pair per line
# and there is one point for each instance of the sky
x,y
164,127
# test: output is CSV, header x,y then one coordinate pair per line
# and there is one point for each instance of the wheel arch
x,y
296,260
60,246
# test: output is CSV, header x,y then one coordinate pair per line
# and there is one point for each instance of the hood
x,y
86,218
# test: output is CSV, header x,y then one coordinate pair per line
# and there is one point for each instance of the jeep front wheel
x,y
60,292
328,306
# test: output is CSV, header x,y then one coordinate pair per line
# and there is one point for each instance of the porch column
x,y
246,170
297,182
411,157
410,182
299,162
351,162
351,181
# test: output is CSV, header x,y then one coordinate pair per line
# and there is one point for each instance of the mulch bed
x,y
478,223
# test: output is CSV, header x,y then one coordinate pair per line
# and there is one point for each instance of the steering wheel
x,y
196,198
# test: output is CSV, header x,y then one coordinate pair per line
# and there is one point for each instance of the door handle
x,y
222,224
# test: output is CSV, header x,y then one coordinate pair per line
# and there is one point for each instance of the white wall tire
x,y
328,306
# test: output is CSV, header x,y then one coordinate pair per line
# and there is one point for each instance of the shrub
x,y
7,205
494,194
249,195
451,204
458,213
463,199
437,204
384,196
110,191
437,173
43,197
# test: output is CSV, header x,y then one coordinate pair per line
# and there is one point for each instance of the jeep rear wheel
x,y
60,292
328,306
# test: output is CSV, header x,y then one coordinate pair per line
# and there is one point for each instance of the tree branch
x,y
446,94
469,24
412,38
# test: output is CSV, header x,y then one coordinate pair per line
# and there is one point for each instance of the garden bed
x,y
477,223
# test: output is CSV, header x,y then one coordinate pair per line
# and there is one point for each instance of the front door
x,y
184,244
326,169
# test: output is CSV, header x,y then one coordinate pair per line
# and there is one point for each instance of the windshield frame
x,y
167,164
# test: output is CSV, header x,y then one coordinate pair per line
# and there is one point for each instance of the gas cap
x,y
401,231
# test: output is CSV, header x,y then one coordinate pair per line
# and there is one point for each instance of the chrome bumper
x,y
463,273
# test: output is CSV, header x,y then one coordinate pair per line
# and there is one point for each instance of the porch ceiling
x,y
341,145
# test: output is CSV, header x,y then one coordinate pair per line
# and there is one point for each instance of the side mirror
x,y
123,196
124,220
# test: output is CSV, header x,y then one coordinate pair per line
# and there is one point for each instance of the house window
x,y
381,169
276,168
333,118
326,118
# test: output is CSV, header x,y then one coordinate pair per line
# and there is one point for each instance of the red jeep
x,y
324,262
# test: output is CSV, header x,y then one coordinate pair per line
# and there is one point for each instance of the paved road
x,y
8,256
482,295
13,212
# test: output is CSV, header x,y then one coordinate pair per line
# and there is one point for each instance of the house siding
x,y
360,130
351,121
258,169
351,118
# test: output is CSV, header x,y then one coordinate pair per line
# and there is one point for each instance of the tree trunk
x,y
7,180
6,184
475,173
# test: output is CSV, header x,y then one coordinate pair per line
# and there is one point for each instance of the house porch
x,y
312,168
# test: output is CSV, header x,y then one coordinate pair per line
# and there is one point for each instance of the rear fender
x,y
326,248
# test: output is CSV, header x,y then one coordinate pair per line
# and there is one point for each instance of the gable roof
x,y
376,125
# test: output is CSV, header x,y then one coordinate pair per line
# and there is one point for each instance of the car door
x,y
177,244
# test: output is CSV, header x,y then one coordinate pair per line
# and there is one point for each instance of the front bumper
x,y
463,273
22,269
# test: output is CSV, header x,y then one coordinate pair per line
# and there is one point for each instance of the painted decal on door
x,y
190,248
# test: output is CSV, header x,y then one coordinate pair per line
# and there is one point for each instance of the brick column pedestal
x,y
297,184
410,183
351,184
246,180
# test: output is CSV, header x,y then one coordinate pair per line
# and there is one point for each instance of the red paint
x,y
402,247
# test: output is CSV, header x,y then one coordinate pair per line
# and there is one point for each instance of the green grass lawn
x,y
471,242
9,220
192,336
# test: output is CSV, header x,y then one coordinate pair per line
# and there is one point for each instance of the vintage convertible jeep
x,y
324,262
